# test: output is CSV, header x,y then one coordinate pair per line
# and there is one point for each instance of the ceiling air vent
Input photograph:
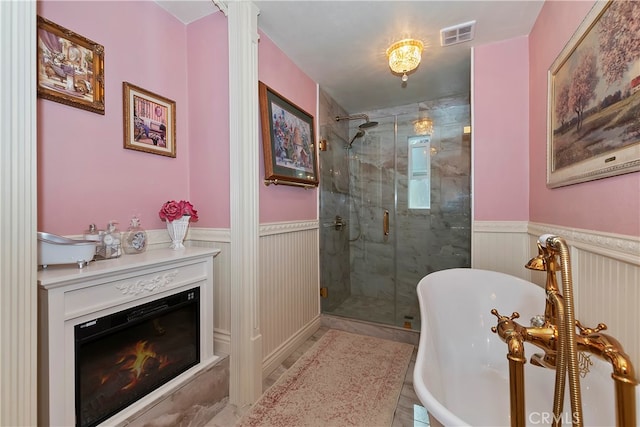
x,y
457,34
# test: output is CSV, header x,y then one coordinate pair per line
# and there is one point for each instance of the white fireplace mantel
x,y
68,296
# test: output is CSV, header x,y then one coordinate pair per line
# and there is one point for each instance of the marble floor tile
x,y
227,417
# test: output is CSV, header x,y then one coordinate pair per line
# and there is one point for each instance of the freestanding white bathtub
x,y
461,374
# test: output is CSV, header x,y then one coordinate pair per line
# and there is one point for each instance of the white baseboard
x,y
221,342
273,360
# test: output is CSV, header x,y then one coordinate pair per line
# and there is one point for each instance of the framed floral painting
x,y
594,98
288,141
149,121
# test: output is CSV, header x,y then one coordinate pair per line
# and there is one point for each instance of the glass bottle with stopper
x,y
134,240
111,244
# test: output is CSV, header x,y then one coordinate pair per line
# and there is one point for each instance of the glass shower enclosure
x,y
395,205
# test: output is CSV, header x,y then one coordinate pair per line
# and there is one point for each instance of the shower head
x,y
368,125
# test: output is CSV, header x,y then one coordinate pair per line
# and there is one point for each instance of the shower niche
x,y
405,199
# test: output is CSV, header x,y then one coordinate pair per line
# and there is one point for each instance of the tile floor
x,y
409,411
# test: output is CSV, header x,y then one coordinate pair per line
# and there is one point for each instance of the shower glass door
x,y
394,207
372,294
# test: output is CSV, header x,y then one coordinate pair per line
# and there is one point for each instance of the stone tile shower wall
x,y
334,200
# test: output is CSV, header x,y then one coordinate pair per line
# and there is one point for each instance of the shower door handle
x,y
385,223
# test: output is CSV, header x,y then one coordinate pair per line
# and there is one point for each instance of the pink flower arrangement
x,y
173,210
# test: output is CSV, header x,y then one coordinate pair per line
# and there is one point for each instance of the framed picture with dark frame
x,y
149,121
288,140
594,99
70,67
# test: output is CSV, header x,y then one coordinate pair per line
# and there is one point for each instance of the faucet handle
x,y
514,315
584,331
502,318
537,321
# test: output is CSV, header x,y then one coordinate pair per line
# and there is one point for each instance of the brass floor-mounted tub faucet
x,y
556,335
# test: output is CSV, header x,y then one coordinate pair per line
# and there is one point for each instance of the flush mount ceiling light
x,y
404,56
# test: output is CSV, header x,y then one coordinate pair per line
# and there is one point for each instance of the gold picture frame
x,y
288,140
594,100
70,67
149,121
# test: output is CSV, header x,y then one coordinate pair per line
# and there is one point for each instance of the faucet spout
x,y
608,348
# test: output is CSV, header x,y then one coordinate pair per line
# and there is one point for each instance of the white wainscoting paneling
x,y
289,288
289,299
501,246
218,239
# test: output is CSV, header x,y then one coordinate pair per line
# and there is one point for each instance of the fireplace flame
x,y
143,354
137,361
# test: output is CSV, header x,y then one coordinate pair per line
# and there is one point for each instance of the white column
x,y
18,214
246,340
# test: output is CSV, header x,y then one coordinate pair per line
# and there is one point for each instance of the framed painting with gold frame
x,y
594,99
149,121
70,67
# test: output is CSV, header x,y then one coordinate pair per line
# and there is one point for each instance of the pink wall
x,y
510,121
208,85
501,128
277,202
84,173
610,204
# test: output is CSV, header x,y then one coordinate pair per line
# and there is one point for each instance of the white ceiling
x,y
341,44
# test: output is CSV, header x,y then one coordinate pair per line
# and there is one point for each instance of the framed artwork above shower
x,y
288,141
594,98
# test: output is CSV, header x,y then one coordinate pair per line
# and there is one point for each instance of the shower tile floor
x,y
377,310
409,410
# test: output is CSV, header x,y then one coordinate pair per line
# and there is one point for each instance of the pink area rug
x,y
343,380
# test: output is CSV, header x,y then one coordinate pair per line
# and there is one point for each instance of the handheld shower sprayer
x,y
361,128
358,134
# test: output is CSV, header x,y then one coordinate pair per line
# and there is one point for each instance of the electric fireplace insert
x,y
124,356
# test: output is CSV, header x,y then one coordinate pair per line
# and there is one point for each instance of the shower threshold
x,y
373,329
376,310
